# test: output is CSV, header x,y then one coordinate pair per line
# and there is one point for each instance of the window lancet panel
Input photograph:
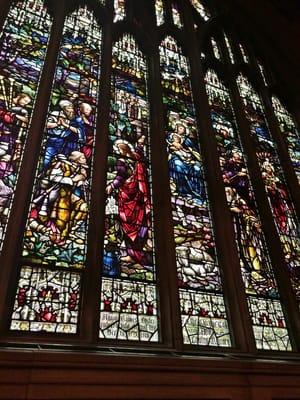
x,y
49,295
177,19
261,288
263,73
216,49
55,239
203,313
129,293
159,12
229,48
276,188
244,54
23,45
203,12
290,133
119,7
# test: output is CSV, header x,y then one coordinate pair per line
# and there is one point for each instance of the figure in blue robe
x,y
65,131
185,166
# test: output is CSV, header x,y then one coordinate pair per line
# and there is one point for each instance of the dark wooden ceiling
x,y
274,27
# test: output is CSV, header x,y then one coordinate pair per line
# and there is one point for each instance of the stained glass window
x,y
55,240
279,199
203,313
290,133
119,6
216,49
159,11
129,293
205,14
176,16
229,48
23,45
261,289
244,54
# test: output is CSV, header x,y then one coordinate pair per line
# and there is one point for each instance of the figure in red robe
x,y
131,184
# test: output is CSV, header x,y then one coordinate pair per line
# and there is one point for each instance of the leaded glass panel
x,y
204,319
176,16
229,48
56,230
205,14
290,133
129,293
159,12
262,72
23,46
119,7
244,54
216,49
47,301
276,188
260,285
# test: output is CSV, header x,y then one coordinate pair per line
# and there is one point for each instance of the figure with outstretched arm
x,y
131,188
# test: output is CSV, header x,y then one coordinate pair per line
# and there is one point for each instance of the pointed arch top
x,y
119,10
247,89
160,12
134,56
88,14
202,10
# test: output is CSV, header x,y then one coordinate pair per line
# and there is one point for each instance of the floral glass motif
x,y
129,293
290,133
276,188
216,49
159,12
204,13
176,16
47,301
244,55
229,48
23,44
203,312
56,229
261,289
119,6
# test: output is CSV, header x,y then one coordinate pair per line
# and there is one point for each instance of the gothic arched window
x,y
55,240
148,193
23,44
129,294
272,174
203,311
258,276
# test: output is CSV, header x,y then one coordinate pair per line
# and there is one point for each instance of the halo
x,y
65,103
182,123
119,141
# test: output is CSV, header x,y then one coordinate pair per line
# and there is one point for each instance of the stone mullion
x,y
4,6
89,318
13,240
234,294
163,220
92,282
168,12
